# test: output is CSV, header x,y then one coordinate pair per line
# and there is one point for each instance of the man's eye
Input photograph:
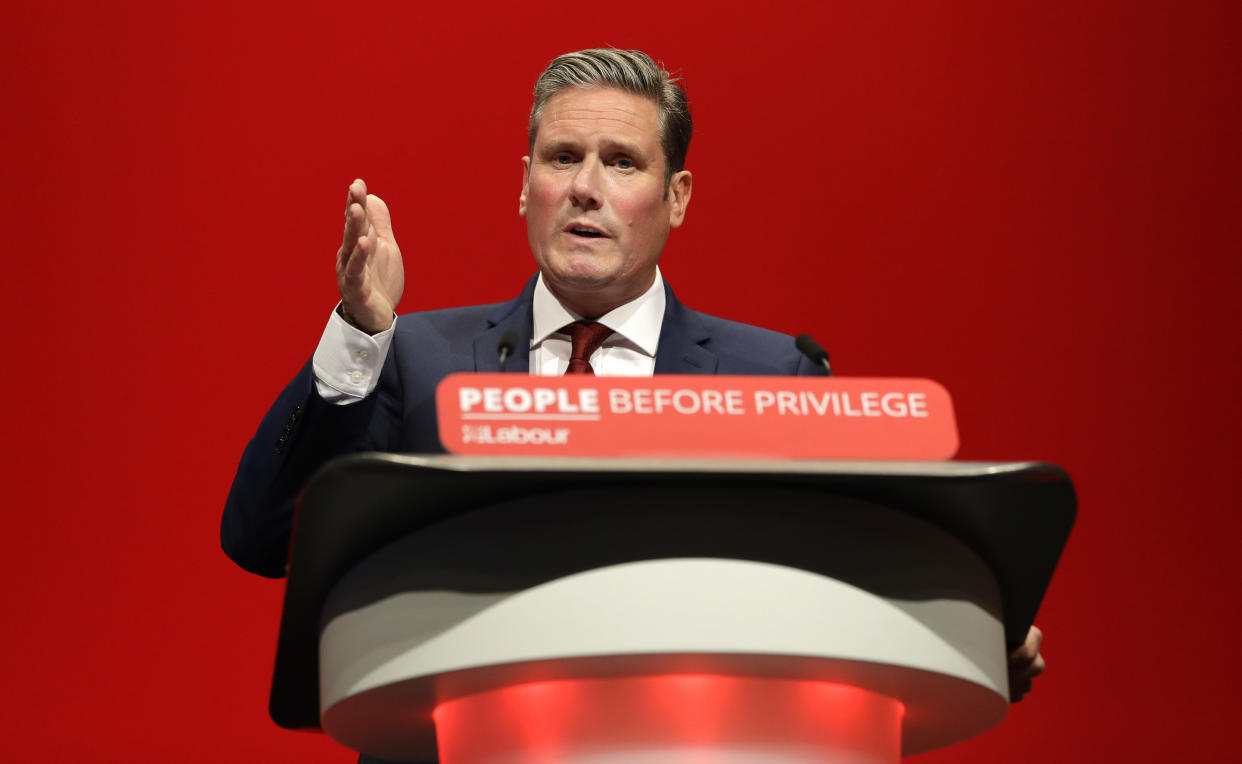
x,y
625,163
562,159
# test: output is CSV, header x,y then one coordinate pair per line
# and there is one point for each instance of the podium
x,y
661,610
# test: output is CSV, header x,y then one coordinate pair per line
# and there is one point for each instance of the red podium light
x,y
691,719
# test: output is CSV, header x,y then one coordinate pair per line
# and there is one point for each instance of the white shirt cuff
x,y
348,361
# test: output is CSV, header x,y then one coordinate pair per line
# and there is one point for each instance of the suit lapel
x,y
682,339
514,316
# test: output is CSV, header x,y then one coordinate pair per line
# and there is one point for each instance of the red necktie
x,y
586,340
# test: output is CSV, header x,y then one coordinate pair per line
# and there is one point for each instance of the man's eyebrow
x,y
607,145
617,145
558,145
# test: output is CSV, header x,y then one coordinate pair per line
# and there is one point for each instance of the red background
x,y
1035,204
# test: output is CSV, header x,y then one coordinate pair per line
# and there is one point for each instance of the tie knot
x,y
586,339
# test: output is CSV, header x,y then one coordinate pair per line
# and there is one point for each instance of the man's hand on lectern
x,y
1025,663
369,271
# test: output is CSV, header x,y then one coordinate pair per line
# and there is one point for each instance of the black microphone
x,y
508,341
813,350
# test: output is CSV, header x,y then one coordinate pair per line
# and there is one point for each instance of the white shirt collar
x,y
638,320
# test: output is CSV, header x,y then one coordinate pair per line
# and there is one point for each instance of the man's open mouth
x,y
589,233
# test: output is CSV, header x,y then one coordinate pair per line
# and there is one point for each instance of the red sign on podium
x,y
690,416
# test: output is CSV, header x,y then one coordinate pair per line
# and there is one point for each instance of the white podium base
x,y
895,606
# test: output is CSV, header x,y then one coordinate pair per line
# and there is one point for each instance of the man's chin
x,y
590,294
577,284
579,273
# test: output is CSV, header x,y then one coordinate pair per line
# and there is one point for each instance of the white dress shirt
x,y
348,361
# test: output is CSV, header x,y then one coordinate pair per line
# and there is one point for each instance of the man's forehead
x,y
576,112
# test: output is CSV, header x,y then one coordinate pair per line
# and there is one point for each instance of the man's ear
x,y
525,186
679,191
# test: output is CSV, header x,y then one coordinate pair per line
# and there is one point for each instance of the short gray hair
x,y
632,71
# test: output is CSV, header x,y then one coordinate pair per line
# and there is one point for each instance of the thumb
x,y
378,216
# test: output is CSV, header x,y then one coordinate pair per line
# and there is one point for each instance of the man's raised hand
x,y
369,271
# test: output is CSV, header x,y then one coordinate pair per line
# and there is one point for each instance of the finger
x,y
356,265
355,226
357,192
1029,649
353,245
1027,669
1037,667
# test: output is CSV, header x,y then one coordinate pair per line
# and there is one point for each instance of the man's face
x,y
594,200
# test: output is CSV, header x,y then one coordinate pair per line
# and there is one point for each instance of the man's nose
x,y
585,190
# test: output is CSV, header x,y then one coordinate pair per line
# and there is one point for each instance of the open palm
x,y
369,270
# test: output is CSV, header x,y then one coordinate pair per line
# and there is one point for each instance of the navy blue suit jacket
x,y
301,431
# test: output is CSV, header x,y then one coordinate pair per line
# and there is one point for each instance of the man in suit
x,y
604,184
